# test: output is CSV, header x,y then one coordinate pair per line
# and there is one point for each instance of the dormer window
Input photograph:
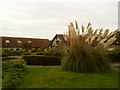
x,y
7,41
19,42
29,42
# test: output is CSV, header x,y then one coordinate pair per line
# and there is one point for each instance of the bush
x,y
13,72
12,53
57,53
41,60
4,54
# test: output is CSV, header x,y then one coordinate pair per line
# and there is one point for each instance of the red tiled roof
x,y
13,42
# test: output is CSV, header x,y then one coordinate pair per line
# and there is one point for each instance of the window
x,y
29,41
17,49
19,42
57,41
7,41
11,49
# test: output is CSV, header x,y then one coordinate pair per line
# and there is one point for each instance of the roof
x,y
62,37
13,42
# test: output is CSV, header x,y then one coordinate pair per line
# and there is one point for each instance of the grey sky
x,y
45,18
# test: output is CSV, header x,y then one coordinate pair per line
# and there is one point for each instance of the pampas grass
x,y
87,51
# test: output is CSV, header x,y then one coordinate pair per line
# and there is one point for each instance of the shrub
x,y
12,53
4,54
57,53
13,72
41,60
86,54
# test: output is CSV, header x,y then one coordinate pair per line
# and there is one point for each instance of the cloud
x,y
45,18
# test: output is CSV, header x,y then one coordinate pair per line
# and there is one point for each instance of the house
x,y
58,42
17,43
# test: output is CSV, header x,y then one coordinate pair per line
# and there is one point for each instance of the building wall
x,y
58,44
13,49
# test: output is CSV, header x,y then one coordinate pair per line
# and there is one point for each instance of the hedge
x,y
41,60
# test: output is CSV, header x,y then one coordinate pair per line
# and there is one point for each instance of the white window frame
x,y
19,41
29,41
7,41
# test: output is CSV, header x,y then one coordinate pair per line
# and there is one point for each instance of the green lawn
x,y
54,77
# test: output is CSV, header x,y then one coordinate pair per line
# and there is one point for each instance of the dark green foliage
x,y
41,60
88,59
58,53
12,73
12,53
4,54
114,56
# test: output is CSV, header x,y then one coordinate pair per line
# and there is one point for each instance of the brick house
x,y
17,43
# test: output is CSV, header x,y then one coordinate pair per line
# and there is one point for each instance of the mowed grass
x,y
54,77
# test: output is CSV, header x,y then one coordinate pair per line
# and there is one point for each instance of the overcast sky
x,y
45,18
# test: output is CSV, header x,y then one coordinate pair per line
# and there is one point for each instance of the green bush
x,y
12,53
41,60
4,54
57,53
13,72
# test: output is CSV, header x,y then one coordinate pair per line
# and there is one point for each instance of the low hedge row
x,y
41,60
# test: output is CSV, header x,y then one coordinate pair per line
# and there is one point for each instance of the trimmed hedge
x,y
41,60
57,53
